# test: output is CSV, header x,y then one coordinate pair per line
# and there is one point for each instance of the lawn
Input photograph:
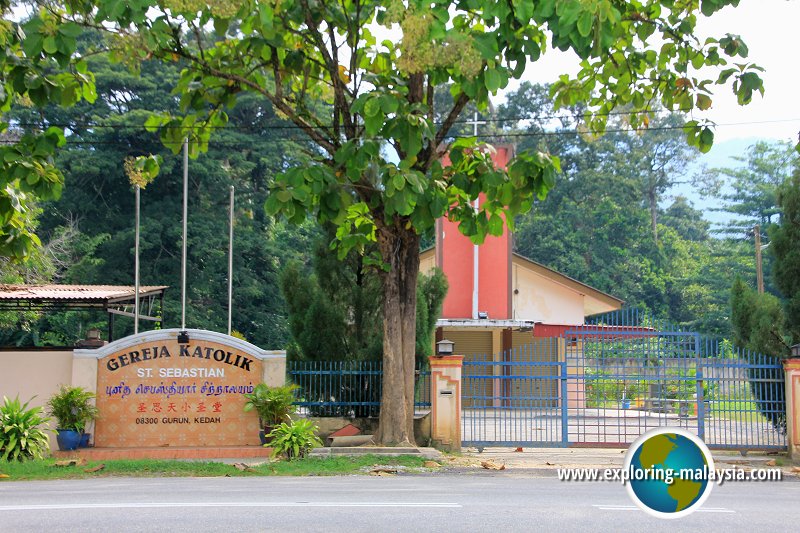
x,y
315,466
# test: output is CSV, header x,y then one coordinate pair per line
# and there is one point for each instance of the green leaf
x,y
486,44
49,45
496,225
523,10
703,102
585,23
493,80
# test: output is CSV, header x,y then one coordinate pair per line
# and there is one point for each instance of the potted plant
x,y
273,405
73,410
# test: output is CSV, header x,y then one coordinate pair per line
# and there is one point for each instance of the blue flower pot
x,y
626,403
85,440
68,439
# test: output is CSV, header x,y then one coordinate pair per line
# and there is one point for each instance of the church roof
x,y
554,275
568,281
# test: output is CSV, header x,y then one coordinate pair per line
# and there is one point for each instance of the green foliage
x,y
605,391
431,291
38,67
88,232
336,313
757,325
72,408
446,43
21,437
757,321
273,404
294,440
785,249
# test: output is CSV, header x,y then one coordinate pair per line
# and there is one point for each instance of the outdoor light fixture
x,y
796,350
444,347
483,315
183,337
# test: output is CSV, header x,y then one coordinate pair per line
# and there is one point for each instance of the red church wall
x,y
455,257
455,260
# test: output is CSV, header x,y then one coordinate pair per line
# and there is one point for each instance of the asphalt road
x,y
496,502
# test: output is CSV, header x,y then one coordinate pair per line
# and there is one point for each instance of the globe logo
x,y
668,472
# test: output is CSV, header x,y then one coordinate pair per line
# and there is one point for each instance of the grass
x,y
313,466
743,410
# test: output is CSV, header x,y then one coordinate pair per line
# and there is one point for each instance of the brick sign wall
x,y
161,393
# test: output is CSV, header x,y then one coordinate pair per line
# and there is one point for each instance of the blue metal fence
x,y
347,388
621,374
601,384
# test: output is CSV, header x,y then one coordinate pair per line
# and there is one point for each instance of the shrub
x,y
20,436
72,408
294,440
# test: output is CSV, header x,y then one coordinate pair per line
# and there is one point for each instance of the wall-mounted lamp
x,y
444,347
183,337
796,350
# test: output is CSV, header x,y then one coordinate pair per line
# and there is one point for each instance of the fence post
x,y
699,392
564,402
792,378
446,402
274,365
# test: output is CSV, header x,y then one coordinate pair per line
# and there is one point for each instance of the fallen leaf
x,y
491,465
771,462
241,467
95,469
4,476
796,469
518,450
383,472
548,463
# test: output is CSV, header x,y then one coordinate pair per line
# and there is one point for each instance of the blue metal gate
x,y
515,398
606,383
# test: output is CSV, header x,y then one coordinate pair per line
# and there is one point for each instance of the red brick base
x,y
222,452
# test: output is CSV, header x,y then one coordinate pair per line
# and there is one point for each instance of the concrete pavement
x,y
548,460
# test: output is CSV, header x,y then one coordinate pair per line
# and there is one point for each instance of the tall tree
x,y
750,190
658,159
295,53
785,248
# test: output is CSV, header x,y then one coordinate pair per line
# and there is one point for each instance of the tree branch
x,y
436,151
277,100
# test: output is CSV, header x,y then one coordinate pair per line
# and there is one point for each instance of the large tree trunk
x,y
399,247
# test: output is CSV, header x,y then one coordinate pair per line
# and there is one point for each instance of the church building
x,y
499,300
